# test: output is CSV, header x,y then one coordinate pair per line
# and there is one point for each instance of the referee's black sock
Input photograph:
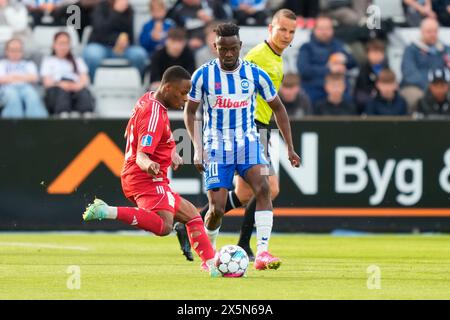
x,y
232,203
247,224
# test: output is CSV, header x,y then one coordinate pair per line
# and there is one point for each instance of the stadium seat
x,y
6,33
43,38
116,91
85,37
141,15
391,9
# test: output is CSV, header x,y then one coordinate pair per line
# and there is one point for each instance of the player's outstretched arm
x,y
282,120
194,133
146,164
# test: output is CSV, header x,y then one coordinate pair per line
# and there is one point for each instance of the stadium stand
x,y
391,9
43,38
115,98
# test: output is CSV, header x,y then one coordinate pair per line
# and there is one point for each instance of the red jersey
x,y
148,131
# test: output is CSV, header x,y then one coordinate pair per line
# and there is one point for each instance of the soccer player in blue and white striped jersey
x,y
228,87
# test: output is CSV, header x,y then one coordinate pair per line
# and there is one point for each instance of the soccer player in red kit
x,y
150,151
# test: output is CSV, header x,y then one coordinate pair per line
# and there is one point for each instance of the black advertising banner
x,y
359,174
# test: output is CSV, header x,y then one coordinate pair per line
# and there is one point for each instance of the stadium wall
x,y
368,175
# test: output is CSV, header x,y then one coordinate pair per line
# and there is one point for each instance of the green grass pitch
x,y
117,266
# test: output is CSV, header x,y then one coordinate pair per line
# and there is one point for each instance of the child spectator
x,y
17,77
295,100
112,36
369,71
437,98
154,32
65,79
335,104
388,101
175,52
246,11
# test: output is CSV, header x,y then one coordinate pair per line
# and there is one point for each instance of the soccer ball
x,y
232,261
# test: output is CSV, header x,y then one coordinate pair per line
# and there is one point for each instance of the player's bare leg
x,y
245,194
159,223
263,217
217,200
231,203
198,237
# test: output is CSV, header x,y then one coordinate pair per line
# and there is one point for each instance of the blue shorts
x,y
219,173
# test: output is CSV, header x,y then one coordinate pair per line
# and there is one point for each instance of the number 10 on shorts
x,y
213,170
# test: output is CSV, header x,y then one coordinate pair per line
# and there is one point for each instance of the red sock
x,y
199,239
141,218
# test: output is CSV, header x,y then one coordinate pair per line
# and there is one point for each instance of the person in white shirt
x,y
19,97
66,79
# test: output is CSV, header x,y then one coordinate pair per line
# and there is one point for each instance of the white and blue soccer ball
x,y
232,261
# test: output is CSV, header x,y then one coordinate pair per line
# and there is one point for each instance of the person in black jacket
x,y
335,104
175,52
112,36
437,98
388,101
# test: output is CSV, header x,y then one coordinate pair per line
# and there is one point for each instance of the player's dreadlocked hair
x,y
227,30
174,74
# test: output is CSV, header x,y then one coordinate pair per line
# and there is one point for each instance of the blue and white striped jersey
x,y
229,101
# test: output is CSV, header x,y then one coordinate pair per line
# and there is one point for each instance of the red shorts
x,y
157,197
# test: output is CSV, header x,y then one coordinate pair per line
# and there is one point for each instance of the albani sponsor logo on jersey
x,y
227,103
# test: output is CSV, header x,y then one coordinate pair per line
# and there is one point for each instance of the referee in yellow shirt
x,y
267,56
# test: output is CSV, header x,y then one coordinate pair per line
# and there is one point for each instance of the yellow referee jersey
x,y
264,57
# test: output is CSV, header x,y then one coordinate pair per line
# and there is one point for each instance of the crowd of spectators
x,y
341,70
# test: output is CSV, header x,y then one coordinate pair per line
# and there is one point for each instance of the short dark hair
x,y
334,77
177,34
285,13
227,29
386,76
376,45
175,74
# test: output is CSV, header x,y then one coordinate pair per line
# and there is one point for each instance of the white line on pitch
x,y
41,246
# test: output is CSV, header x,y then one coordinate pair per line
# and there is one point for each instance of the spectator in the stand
x,y
112,36
387,102
417,10
304,8
436,101
250,12
322,55
175,52
17,79
65,78
221,9
154,32
335,104
345,12
193,16
442,9
369,71
86,8
207,52
422,55
295,100
47,12
15,24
